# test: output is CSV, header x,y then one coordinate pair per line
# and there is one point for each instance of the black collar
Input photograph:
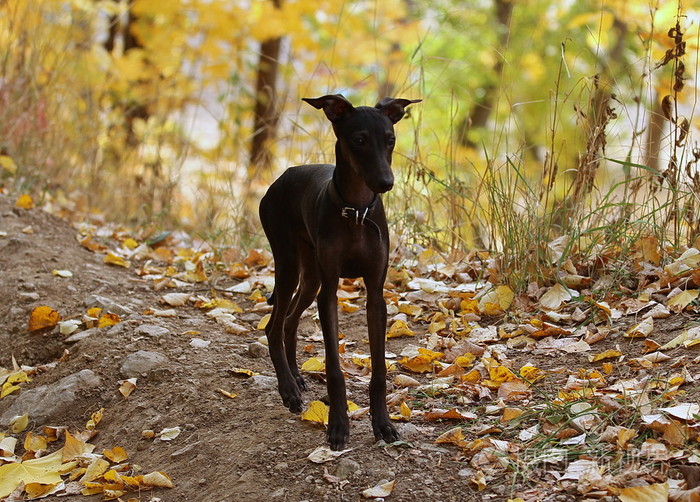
x,y
358,214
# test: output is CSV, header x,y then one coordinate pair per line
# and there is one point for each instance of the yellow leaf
x,y
226,393
95,419
499,373
479,480
34,442
62,273
263,322
7,389
126,387
243,371
41,470
94,312
380,491
647,493
314,364
346,306
403,415
24,202
96,469
43,317
112,259
159,479
399,328
496,301
452,436
680,301
422,363
608,354
19,424
410,309
465,361
74,447
531,373
130,243
642,329
510,414
556,295
116,454
8,164
108,320
38,490
316,412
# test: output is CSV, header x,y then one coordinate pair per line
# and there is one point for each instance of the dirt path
x,y
229,449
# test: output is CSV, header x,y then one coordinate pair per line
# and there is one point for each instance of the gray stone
x,y
32,296
107,305
409,431
258,350
47,401
141,363
263,382
347,468
80,335
151,330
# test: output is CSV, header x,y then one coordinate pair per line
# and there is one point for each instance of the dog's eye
x,y
359,141
391,141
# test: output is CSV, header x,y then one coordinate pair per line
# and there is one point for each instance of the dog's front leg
x,y
338,423
376,326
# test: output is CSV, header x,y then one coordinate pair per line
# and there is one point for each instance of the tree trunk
x,y
266,105
481,112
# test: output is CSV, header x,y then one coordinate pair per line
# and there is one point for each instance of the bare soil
x,y
231,449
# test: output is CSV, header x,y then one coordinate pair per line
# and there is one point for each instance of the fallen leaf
x,y
263,322
95,470
379,491
169,433
684,411
126,387
452,436
43,317
113,259
451,414
158,479
41,470
7,163
226,393
19,423
324,454
556,295
314,364
74,447
116,455
399,328
642,329
24,201
679,302
648,493
176,299
608,354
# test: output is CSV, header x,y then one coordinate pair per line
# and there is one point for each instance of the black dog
x,y
325,222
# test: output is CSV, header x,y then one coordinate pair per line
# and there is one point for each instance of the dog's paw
x,y
291,396
300,383
386,431
338,433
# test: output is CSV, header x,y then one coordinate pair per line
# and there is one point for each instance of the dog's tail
x,y
271,298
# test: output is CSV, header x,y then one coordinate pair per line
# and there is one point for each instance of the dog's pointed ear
x,y
395,108
335,106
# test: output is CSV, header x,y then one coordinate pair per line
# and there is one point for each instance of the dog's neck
x,y
349,185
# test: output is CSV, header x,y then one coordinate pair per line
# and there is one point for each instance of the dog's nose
x,y
386,185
